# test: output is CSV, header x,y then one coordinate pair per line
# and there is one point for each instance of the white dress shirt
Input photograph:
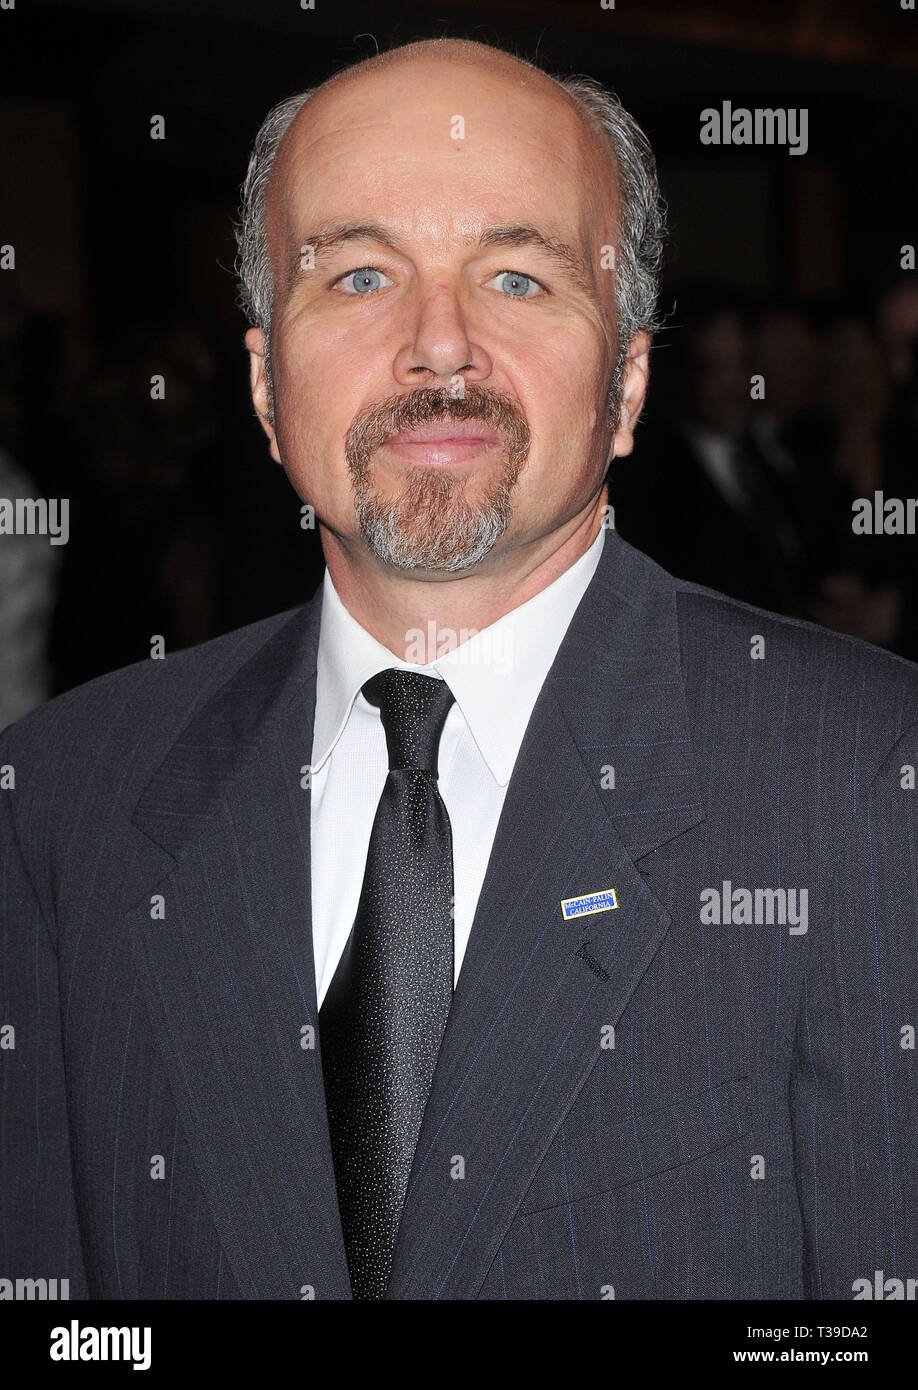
x,y
495,676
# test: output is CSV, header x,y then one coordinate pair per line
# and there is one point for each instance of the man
x,y
513,920
705,453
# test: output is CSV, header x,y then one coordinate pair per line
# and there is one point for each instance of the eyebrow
x,y
569,260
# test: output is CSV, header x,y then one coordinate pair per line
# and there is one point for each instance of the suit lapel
x,y
535,990
228,972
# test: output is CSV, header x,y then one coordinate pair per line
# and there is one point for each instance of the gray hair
x,y
641,224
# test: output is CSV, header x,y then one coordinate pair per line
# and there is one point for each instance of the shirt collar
x,y
495,675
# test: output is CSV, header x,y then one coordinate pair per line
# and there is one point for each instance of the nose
x,y
440,344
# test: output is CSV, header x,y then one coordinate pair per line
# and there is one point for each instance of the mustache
x,y
375,424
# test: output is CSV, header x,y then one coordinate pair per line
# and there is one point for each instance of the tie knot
x,y
413,709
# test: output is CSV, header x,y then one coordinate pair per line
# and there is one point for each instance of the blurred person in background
x,y
699,494
144,558
897,326
863,589
28,563
793,436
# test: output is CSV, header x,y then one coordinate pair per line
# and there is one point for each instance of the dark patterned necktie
x,y
382,1019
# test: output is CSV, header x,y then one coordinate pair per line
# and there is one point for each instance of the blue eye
x,y
516,285
366,280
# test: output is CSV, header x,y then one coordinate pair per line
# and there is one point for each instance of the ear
x,y
634,389
258,383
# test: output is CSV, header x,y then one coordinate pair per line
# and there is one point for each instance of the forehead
x,y
439,147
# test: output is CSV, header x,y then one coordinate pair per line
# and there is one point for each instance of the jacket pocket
x,y
593,1155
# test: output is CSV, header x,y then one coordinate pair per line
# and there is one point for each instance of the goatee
x,y
432,524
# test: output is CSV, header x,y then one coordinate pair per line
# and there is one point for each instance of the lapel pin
x,y
603,901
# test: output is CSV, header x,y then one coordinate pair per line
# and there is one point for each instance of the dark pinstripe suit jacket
x,y
752,1132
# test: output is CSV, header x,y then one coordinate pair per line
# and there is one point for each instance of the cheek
x,y
568,408
304,370
316,394
301,424
567,367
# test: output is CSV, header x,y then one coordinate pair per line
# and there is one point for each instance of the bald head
x,y
441,50
609,150
423,105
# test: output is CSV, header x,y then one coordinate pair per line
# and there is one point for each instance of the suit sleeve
x,y
39,1232
854,1089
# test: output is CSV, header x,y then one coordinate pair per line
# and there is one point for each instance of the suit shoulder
x,y
804,676
174,687
704,611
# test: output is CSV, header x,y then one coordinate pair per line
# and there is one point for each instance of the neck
x,y
390,605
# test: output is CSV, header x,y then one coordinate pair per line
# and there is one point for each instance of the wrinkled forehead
x,y
430,139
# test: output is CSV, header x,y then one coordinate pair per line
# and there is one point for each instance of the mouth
x,y
451,441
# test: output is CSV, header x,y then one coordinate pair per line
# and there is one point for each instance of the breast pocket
x,y
650,1204
596,1153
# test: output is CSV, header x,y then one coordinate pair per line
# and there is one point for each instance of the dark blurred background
x,y
788,267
